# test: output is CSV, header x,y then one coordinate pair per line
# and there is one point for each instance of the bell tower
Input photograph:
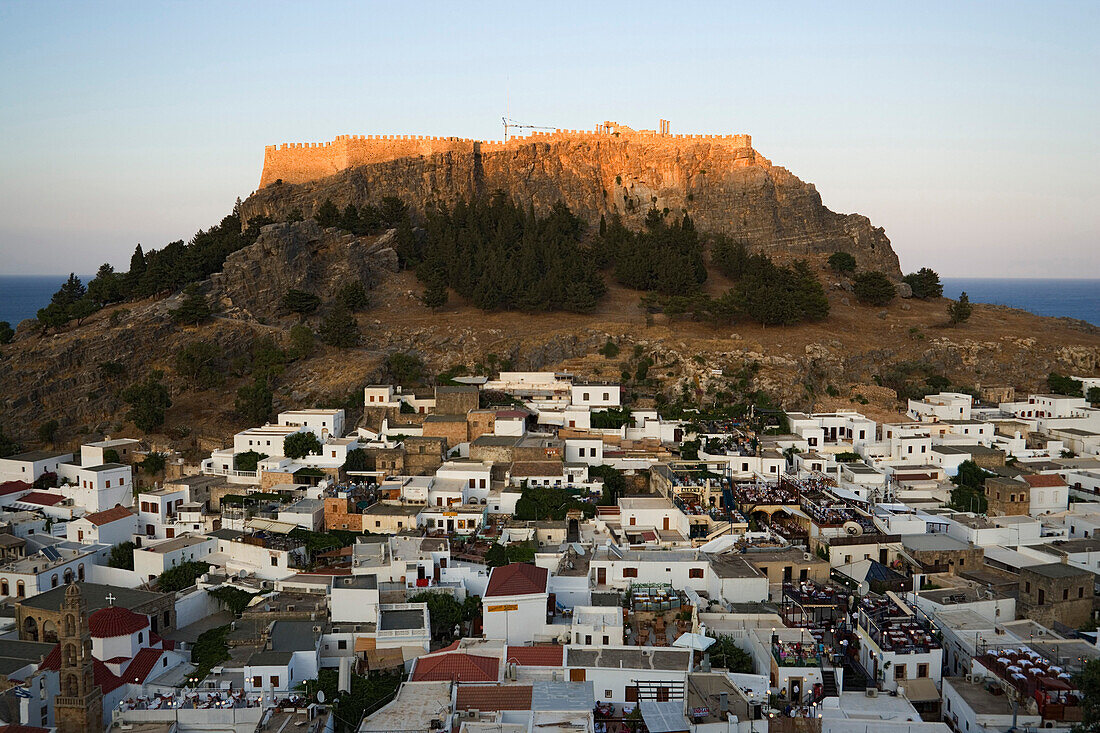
x,y
79,706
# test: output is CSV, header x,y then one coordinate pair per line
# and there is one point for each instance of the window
x,y
588,638
141,637
627,573
1080,591
1065,594
108,483
899,671
695,573
342,644
257,681
1042,596
274,562
377,523
20,590
1027,587
274,681
607,694
584,396
922,670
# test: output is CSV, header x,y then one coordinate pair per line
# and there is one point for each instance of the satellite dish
x,y
853,528
321,696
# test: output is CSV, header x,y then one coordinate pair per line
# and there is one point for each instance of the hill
x,y
858,358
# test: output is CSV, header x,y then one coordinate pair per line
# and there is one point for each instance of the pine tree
x,y
340,329
349,220
327,214
959,311
193,308
435,295
874,288
301,302
254,401
925,283
71,291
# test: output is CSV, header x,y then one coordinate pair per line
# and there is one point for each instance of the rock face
x,y
302,256
724,184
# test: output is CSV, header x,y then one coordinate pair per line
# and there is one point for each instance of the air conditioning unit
x,y
472,713
872,692
970,678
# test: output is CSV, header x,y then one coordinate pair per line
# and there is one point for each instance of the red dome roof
x,y
116,621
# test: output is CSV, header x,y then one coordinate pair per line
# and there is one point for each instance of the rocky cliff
x,y
724,184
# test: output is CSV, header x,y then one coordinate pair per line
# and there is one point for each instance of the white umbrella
x,y
698,642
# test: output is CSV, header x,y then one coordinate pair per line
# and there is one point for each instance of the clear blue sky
x,y
968,130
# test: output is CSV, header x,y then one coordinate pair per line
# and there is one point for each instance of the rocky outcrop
x,y
300,256
724,188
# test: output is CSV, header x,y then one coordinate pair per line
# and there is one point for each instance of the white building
x,y
96,454
29,466
157,511
109,527
596,395
515,604
942,406
325,423
152,560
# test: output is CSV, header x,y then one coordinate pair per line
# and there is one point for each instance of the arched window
x,y
68,575
20,590
70,625
53,580
80,571
141,637
4,587
73,686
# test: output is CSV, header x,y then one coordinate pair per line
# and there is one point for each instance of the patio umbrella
x,y
698,642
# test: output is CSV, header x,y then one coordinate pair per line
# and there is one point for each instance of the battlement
x,y
302,162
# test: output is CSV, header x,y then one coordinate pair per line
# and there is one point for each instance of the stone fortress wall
x,y
303,162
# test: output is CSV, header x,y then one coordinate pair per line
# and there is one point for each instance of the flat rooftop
x,y
980,700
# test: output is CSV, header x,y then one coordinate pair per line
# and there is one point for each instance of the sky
x,y
969,131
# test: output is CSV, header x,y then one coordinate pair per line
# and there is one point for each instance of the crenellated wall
x,y
303,162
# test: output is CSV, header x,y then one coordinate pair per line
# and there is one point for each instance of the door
x,y
665,524
632,693
601,576
576,675
794,690
883,556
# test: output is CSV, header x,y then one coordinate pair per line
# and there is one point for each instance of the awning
x,y
921,689
698,642
384,659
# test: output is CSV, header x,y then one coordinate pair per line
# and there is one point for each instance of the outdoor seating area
x,y
796,653
901,634
195,699
764,494
1050,685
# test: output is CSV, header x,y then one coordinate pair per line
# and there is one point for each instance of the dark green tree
x,y
842,262
122,556
8,447
253,402
445,613
81,309
1093,395
402,368
7,333
200,363
392,211
1088,682
106,287
300,445
1061,384
353,296
925,283
874,288
53,316
725,654
248,460
301,302
958,311
71,291
327,214
357,460
340,329
47,431
435,295
148,401
153,463
193,308
301,342
181,576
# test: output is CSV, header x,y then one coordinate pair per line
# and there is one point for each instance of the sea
x,y
22,295
1074,298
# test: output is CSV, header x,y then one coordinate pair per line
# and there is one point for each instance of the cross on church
x,y
111,599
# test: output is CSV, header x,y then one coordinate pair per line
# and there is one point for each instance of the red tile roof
x,y
104,677
543,655
107,516
116,621
144,663
42,498
456,667
1042,480
155,638
516,579
13,487
493,697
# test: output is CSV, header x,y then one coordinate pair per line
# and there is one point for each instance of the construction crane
x,y
512,123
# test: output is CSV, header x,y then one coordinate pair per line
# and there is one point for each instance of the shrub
x,y
842,262
925,283
181,576
193,308
301,302
340,329
300,445
874,288
122,556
